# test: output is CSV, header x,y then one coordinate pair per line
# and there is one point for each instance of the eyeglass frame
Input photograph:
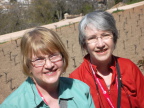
x,y
43,59
95,38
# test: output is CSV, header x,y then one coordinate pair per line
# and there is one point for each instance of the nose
x,y
100,42
48,64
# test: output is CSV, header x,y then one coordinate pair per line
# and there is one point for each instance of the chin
x,y
52,81
102,58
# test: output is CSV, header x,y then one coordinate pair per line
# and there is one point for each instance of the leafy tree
x,y
13,1
86,7
131,1
75,6
19,16
42,11
60,8
11,19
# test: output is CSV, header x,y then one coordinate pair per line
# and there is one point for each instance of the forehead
x,y
91,30
42,53
38,55
43,48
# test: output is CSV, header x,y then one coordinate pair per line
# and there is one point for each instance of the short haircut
x,y
99,19
41,40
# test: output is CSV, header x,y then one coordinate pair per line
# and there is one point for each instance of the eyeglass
x,y
40,61
94,39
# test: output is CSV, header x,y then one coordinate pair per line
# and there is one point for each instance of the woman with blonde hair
x,y
44,60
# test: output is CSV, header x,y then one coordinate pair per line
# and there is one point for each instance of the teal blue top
x,y
75,92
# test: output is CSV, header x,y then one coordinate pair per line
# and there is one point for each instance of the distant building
x,y
20,1
5,5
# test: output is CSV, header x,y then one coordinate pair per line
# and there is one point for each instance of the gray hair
x,y
99,19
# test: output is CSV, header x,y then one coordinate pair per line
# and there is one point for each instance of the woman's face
x,y
99,45
46,69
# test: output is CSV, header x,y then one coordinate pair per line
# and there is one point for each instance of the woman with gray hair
x,y
114,82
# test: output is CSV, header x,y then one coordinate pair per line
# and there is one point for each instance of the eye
x,y
106,34
91,37
54,55
38,59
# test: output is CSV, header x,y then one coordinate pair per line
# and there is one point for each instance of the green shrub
x,y
140,63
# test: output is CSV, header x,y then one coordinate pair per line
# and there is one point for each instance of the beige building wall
x,y
130,24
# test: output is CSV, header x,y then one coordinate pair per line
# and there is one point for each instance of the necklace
x,y
106,95
118,81
42,96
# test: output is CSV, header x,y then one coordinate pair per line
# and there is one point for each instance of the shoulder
x,y
125,62
20,90
74,83
74,88
19,94
76,91
121,59
80,70
128,67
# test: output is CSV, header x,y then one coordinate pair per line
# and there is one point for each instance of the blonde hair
x,y
41,40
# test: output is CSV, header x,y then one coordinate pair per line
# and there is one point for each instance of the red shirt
x,y
132,80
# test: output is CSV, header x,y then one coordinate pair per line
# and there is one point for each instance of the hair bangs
x,y
42,47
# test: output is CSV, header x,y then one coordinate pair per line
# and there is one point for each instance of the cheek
x,y
61,65
112,45
90,47
31,69
36,70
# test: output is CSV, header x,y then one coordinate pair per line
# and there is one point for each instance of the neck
x,y
45,88
103,71
49,92
102,67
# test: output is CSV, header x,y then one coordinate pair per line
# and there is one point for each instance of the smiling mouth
x,y
101,51
49,73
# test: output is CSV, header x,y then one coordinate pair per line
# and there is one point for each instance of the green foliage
x,y
41,11
60,9
2,42
13,1
118,10
117,1
86,8
133,1
140,63
21,16
128,1
11,21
